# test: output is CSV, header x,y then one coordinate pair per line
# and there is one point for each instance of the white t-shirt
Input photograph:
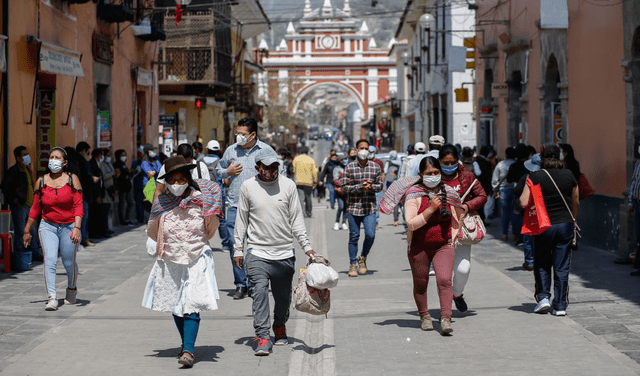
x,y
194,173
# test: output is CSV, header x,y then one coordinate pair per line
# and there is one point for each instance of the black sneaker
x,y
461,305
240,293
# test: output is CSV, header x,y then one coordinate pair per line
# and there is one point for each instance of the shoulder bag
x,y
576,228
472,229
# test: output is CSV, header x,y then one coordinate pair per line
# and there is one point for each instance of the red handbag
x,y
585,189
536,220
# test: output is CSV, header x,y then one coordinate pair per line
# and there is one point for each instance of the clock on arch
x,y
328,42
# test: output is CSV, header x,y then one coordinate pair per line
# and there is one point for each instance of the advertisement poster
x,y
104,129
556,118
46,128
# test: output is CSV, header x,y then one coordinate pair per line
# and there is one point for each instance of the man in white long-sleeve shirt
x,y
270,217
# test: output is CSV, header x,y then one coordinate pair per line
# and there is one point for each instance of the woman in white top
x,y
182,281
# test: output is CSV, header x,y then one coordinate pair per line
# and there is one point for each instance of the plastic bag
x,y
151,247
321,276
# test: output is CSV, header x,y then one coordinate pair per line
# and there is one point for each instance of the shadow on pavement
x,y
203,353
369,272
311,350
402,323
524,307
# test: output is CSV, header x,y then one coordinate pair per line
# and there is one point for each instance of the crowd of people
x,y
256,198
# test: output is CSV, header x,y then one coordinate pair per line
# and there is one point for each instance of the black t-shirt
x,y
556,209
516,172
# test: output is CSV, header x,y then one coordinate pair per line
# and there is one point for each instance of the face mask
x,y
26,159
55,165
353,157
108,159
102,159
123,158
371,156
242,139
152,154
449,170
431,181
562,156
363,154
268,175
177,189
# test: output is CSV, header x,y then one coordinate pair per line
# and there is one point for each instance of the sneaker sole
x,y
447,331
559,313
543,309
281,342
262,353
50,309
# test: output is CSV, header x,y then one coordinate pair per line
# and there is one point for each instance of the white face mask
x,y
102,159
26,159
242,139
55,165
152,154
177,189
108,159
431,181
123,158
363,154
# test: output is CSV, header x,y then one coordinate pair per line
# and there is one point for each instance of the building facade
x,y
549,71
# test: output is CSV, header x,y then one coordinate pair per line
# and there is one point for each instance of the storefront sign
x,y
556,117
102,49
59,60
499,90
46,134
144,77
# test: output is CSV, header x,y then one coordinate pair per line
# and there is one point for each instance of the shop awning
x,y
59,60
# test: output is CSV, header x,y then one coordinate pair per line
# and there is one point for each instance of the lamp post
x,y
427,21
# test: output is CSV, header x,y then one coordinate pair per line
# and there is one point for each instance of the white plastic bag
x,y
321,276
151,247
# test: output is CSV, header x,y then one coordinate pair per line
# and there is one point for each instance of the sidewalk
x,y
372,328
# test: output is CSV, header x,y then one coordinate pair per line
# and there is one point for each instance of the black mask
x,y
352,158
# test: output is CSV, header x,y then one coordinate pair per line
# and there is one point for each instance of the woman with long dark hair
x,y
568,157
58,199
430,240
460,179
551,249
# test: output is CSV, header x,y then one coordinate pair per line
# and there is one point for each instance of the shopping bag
x,y
585,189
310,299
536,220
321,276
149,190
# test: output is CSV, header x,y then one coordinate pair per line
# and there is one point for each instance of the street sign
x,y
469,42
462,95
168,120
499,90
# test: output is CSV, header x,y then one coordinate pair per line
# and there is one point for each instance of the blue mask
x,y
449,170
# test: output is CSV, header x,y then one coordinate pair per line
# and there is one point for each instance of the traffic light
x,y
201,103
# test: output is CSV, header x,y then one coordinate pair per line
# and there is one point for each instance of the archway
x,y
330,105
552,115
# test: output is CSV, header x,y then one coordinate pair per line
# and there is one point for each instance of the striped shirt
x,y
634,189
247,158
359,201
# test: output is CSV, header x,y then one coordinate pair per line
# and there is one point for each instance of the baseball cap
x,y
436,139
372,149
213,145
267,159
550,151
420,147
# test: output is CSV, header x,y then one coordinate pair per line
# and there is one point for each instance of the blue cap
x,y
533,164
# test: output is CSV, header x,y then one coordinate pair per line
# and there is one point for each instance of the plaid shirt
x,y
359,201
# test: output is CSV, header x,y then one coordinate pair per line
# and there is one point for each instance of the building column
x,y
283,86
372,86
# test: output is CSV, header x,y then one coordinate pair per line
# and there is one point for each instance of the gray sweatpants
x,y
280,272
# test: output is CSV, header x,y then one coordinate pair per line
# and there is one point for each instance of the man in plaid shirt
x,y
361,180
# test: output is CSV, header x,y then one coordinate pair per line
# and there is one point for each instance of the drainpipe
x,y
5,87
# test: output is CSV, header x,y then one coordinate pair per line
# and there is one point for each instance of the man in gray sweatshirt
x,y
269,217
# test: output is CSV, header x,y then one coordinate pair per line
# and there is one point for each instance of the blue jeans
x,y
239,276
528,249
507,200
19,216
138,196
369,221
332,194
379,196
342,210
84,231
490,207
552,248
278,274
56,240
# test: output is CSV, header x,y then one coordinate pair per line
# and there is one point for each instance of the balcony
x,y
115,11
190,51
150,29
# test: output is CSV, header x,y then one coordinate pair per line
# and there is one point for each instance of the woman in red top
x,y
460,179
430,222
60,203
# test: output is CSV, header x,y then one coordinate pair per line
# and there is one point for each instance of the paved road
x,y
372,329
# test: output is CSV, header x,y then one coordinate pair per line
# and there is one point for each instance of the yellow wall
x,y
199,122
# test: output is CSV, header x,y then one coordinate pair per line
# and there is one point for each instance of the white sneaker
x,y
336,227
52,304
344,226
559,313
70,298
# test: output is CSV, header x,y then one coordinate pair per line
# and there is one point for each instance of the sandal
x,y
186,359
